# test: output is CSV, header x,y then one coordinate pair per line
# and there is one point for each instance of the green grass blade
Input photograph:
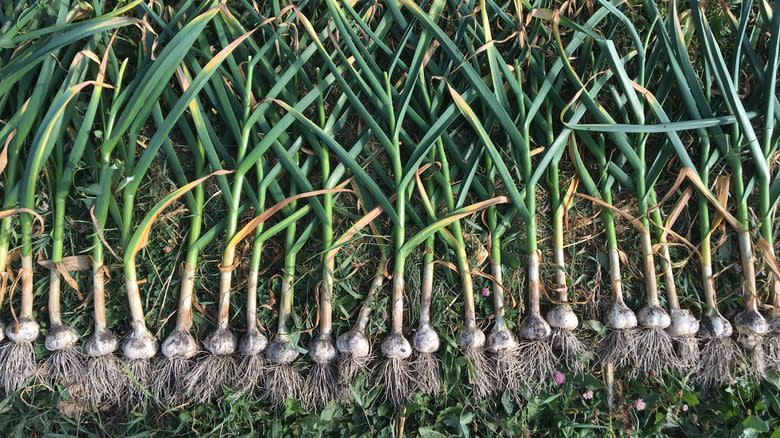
x,y
15,70
161,134
155,78
347,159
498,160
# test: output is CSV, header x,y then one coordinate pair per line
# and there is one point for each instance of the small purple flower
x,y
485,292
639,404
685,407
527,432
737,267
588,395
558,377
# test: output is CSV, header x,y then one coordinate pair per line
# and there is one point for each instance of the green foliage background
x,y
673,406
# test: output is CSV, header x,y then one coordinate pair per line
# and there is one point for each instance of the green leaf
x,y
656,128
474,80
185,417
430,432
16,70
140,237
495,155
161,134
456,422
292,406
690,399
755,423
510,259
329,412
155,78
508,403
92,189
345,157
445,221
773,377
45,138
595,325
465,419
729,91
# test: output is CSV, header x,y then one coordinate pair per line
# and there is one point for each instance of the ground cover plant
x,y
439,218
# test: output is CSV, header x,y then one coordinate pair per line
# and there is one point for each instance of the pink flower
x,y
685,407
558,377
639,404
485,292
588,395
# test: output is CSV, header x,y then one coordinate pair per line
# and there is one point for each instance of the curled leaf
x,y
140,237
264,216
7,213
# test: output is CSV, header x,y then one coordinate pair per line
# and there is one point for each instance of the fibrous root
x,y
687,352
395,375
283,382
618,348
208,379
537,363
322,386
772,352
426,373
106,381
140,380
481,375
654,350
168,376
17,361
66,367
251,373
717,359
571,351
350,366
